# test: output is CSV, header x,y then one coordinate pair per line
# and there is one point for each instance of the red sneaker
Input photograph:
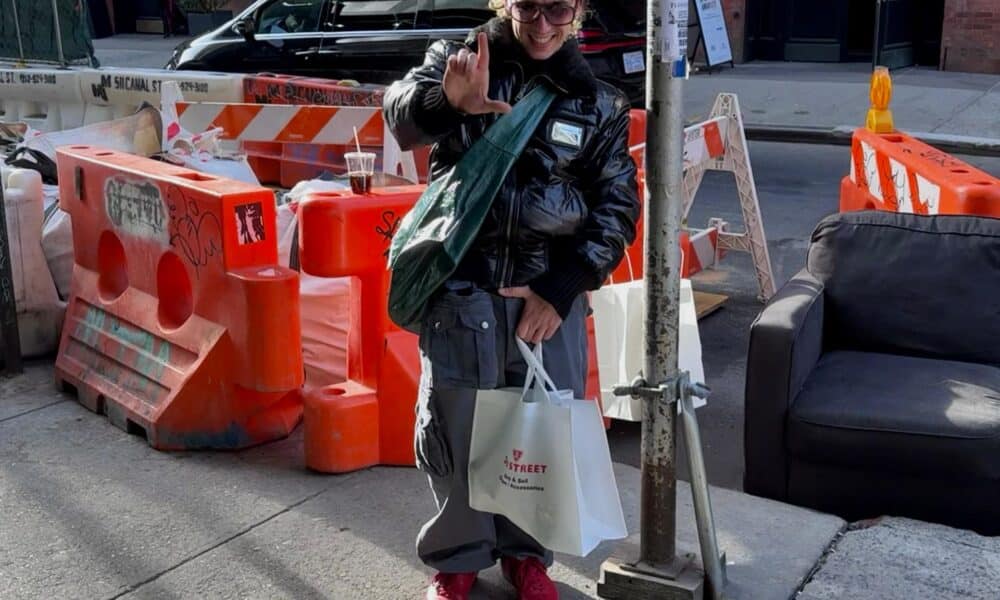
x,y
451,586
529,577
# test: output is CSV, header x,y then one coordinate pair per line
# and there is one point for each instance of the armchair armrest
x,y
786,340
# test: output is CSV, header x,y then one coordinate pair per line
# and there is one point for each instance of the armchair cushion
x,y
899,414
910,284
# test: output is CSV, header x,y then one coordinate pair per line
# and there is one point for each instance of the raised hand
x,y
467,80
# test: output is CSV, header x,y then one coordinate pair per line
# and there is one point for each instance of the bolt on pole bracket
x,y
670,391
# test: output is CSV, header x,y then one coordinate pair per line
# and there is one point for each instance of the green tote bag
x,y
436,233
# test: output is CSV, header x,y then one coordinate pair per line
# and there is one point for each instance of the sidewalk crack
x,y
29,411
955,112
821,561
134,587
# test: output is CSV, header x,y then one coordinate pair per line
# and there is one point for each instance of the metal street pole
x,y
17,31
59,41
657,572
878,37
664,175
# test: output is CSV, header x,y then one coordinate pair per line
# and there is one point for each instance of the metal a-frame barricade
x,y
702,152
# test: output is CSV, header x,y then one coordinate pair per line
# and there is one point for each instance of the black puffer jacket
x,y
567,210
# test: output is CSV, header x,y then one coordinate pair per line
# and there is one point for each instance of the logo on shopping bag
x,y
522,467
516,474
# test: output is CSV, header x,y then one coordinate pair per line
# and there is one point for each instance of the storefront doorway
x,y
844,31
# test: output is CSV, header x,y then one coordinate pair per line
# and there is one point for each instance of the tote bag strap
x,y
507,136
535,367
512,131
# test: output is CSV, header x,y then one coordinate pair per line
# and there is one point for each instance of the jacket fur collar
x,y
566,68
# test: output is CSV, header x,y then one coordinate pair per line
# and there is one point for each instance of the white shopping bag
x,y
618,313
618,310
541,459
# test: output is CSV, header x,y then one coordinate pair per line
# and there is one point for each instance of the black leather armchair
x,y
873,376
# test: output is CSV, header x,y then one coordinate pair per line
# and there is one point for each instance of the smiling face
x,y
540,38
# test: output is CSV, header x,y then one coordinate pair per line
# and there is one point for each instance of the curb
x,y
841,136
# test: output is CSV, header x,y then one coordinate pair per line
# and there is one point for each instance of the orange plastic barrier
x,y
180,324
896,172
369,419
346,235
270,88
286,164
637,134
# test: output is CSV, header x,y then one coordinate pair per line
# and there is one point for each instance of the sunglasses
x,y
559,13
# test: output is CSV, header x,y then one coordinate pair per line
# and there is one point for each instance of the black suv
x,y
378,41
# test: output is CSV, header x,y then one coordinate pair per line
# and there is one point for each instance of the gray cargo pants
x,y
467,343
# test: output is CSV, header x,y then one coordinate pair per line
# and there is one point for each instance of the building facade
x,y
970,40
954,35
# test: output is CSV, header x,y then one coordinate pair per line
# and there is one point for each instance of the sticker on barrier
x,y
181,324
267,88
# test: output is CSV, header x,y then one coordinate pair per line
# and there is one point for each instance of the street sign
x,y
714,32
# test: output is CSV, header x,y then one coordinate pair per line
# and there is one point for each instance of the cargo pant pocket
x,y
459,338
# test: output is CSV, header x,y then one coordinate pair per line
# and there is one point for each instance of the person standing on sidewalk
x,y
559,224
167,17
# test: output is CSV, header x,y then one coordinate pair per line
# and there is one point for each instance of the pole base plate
x,y
621,579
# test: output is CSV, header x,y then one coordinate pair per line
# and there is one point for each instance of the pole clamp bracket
x,y
668,392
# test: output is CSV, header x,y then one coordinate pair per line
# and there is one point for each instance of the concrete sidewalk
x,y
92,512
824,102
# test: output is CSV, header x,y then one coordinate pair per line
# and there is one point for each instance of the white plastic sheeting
x,y
39,309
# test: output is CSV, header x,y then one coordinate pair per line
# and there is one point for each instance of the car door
x,y
287,36
374,41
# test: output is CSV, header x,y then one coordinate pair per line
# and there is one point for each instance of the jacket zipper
x,y
505,269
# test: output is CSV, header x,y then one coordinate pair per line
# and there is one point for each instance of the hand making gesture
x,y
466,81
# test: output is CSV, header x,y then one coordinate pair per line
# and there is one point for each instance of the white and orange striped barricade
x,y
717,144
289,143
896,172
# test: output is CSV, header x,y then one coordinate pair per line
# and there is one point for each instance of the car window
x,y
290,16
453,14
619,16
377,15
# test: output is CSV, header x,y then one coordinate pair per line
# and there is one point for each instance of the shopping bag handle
x,y
529,378
631,273
535,367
